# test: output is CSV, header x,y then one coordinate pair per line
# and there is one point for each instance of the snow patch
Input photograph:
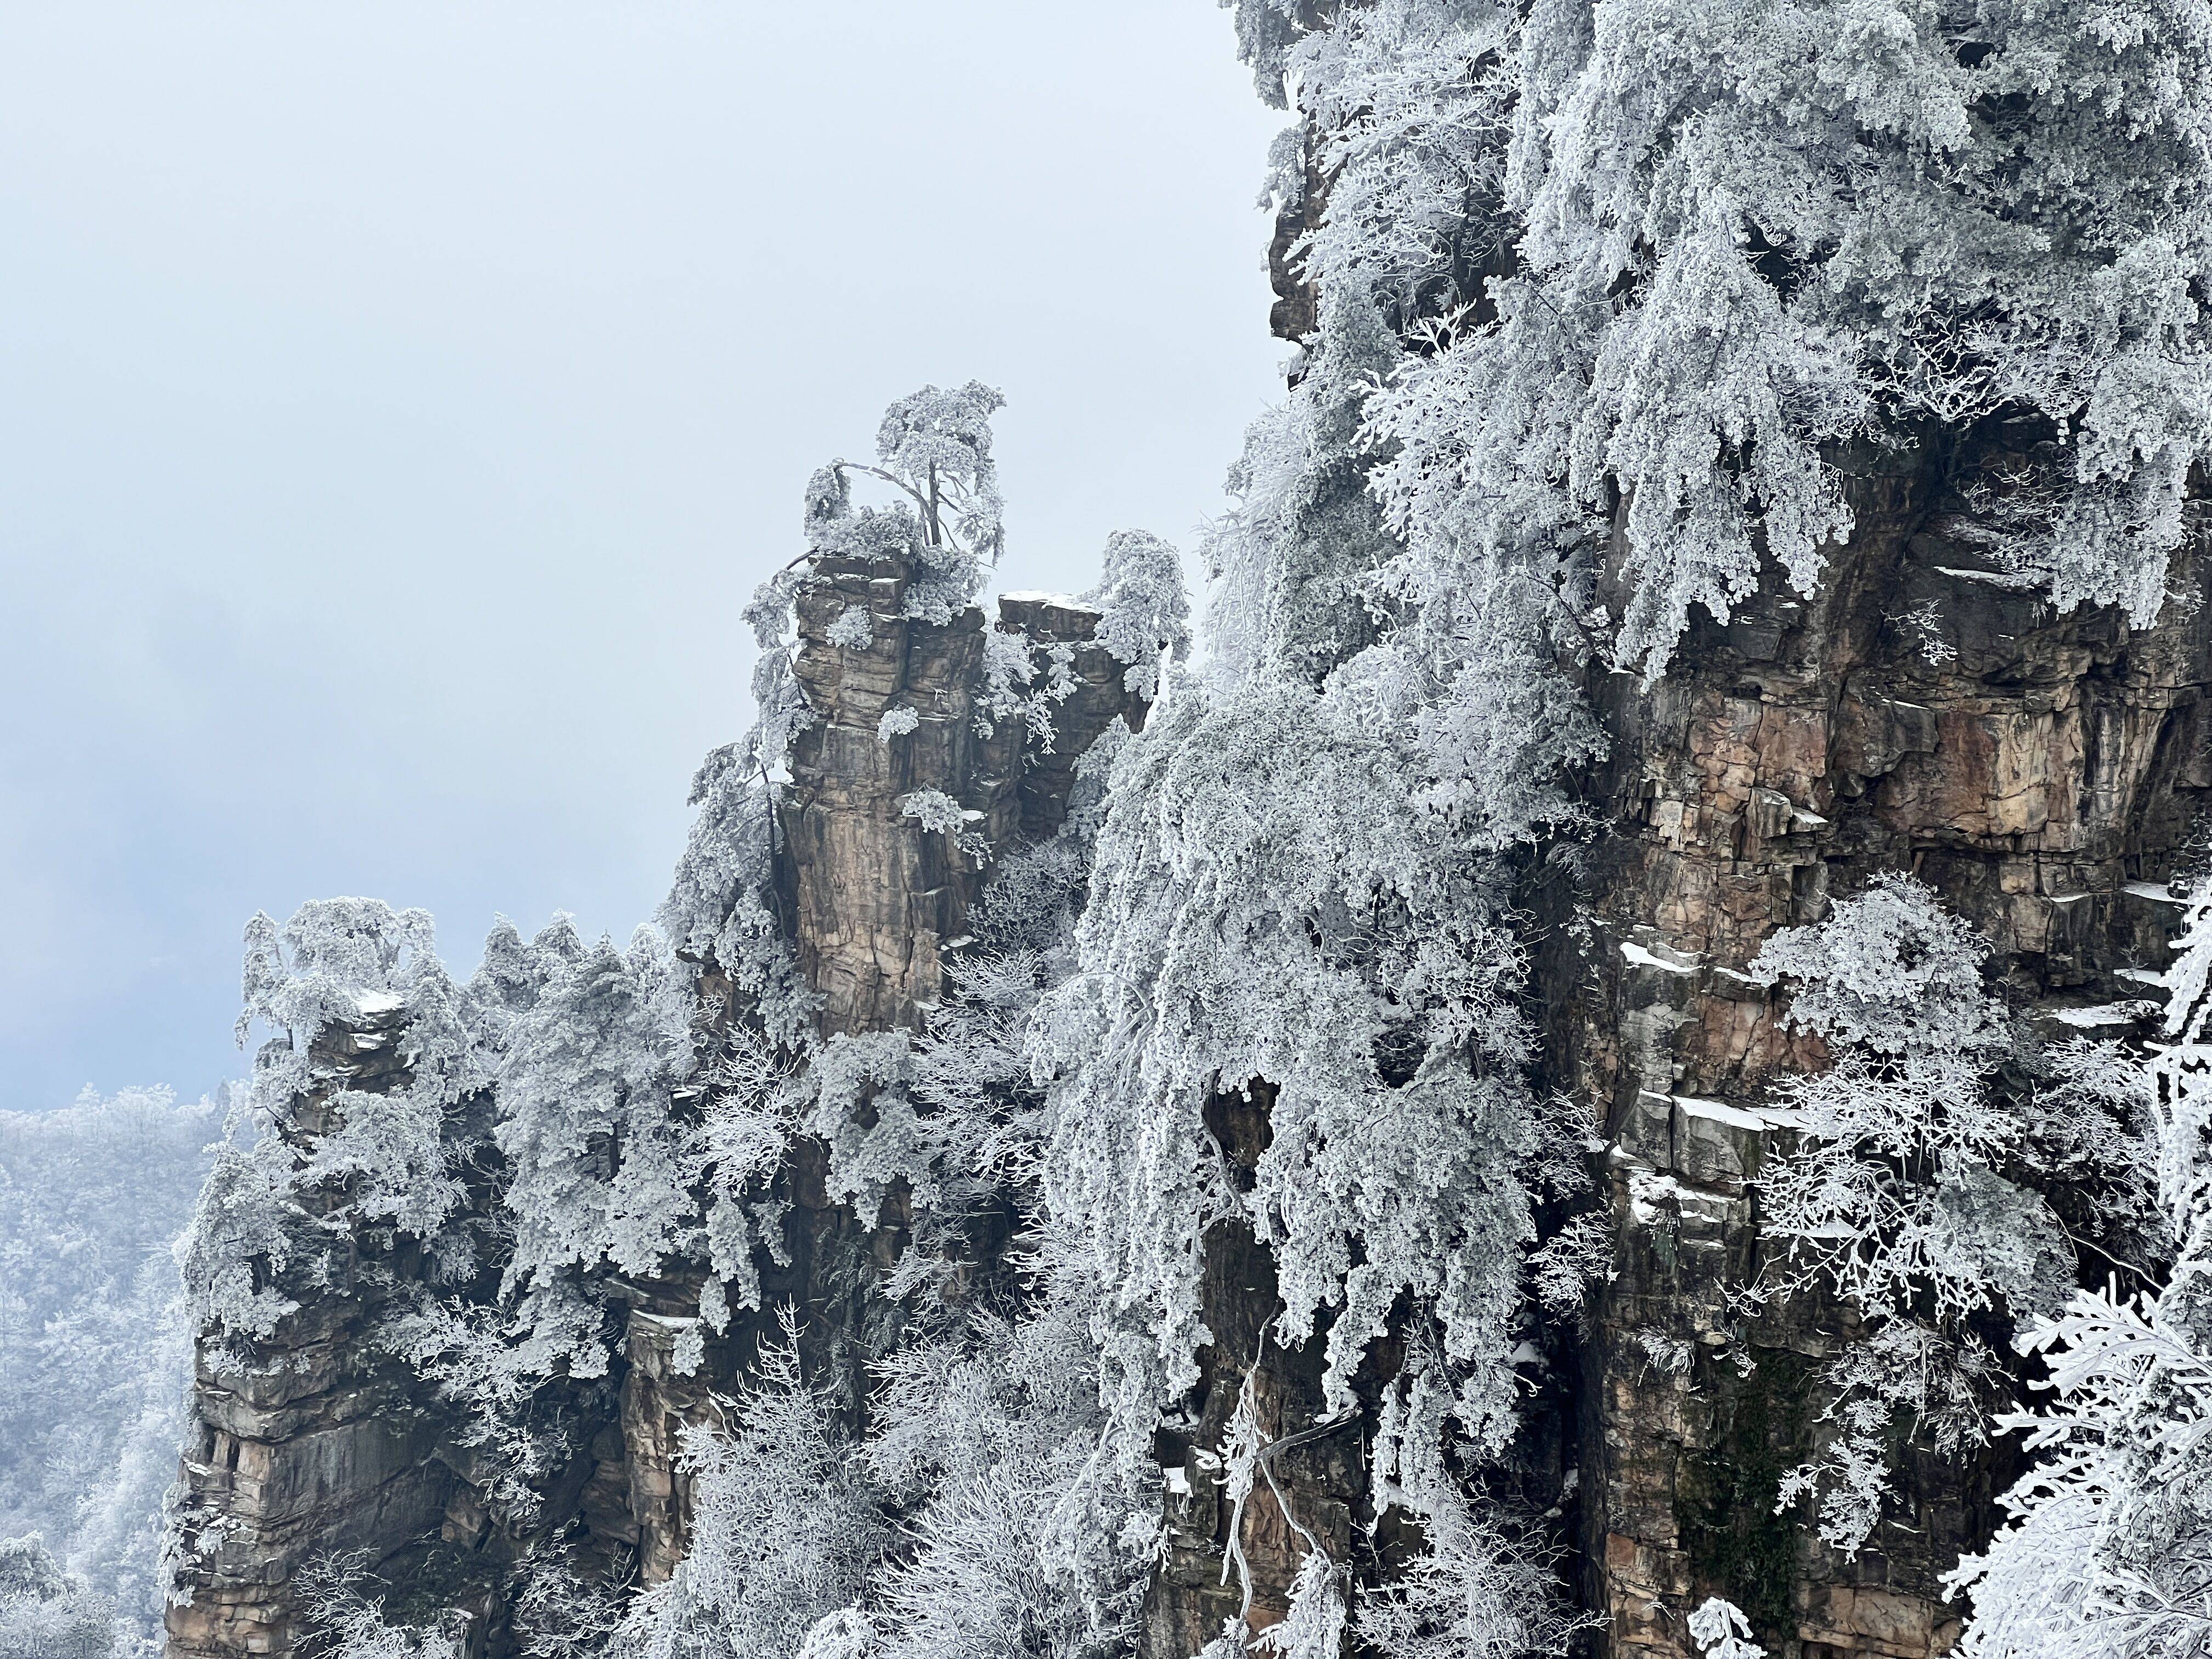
x,y
1719,1111
1064,601
2153,892
1647,1190
2104,1013
1637,957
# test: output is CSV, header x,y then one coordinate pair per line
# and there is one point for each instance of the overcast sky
x,y
398,402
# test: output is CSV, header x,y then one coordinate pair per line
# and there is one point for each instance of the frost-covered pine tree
x,y
587,1122
2107,1552
1909,1184
1894,1191
785,1530
1741,241
45,1613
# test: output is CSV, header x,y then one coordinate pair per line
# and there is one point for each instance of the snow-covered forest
x,y
1604,1045
94,1361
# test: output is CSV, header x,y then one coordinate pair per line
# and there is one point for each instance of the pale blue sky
x,y
398,401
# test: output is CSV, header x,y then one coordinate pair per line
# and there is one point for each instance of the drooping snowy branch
x,y
2108,1548
1682,259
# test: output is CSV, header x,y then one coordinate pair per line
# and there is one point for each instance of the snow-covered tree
x,y
1936,1383
601,1166
1667,263
45,1613
1269,910
1023,1541
936,446
308,1156
1905,1187
786,1526
1894,1193
628,1144
2108,1550
1273,912
1147,613
342,1601
933,448
1721,1632
1476,1590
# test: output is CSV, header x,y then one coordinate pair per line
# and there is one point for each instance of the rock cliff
x,y
2045,771
2042,772
326,1446
1925,711
320,1449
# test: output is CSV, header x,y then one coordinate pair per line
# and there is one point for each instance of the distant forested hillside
x,y
94,1359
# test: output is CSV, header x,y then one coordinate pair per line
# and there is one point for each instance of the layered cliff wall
x,y
318,1448
2040,771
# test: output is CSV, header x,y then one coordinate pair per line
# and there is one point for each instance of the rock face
x,y
1923,712
1322,1476
2040,771
327,1447
879,898
316,1453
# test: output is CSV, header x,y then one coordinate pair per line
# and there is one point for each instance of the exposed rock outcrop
x,y
881,898
318,1449
1922,712
327,1446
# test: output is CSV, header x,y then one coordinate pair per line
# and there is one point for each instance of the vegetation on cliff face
x,y
1595,297
527,1148
1911,1191
1593,301
2109,1542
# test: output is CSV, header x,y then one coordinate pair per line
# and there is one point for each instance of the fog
x,y
399,406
